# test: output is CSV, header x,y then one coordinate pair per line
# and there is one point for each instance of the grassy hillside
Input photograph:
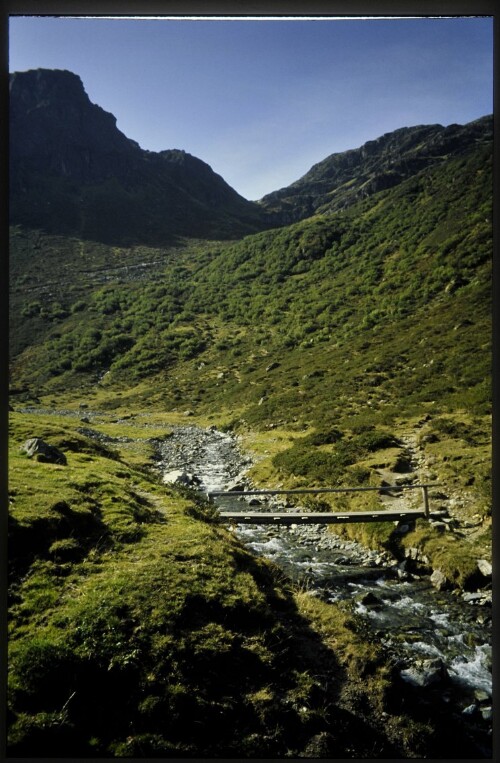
x,y
386,306
140,627
370,322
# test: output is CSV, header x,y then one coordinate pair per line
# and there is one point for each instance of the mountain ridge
x,y
342,179
73,172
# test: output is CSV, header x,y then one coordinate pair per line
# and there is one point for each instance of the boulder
x,y
369,600
439,580
404,481
238,486
178,477
478,597
402,464
342,561
470,709
482,696
43,451
412,553
425,673
487,713
402,571
485,568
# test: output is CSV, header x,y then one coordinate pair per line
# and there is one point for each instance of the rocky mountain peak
x,y
51,116
72,171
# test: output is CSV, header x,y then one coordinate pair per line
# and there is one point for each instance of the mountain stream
x,y
438,640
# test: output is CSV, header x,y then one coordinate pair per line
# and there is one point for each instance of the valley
x,y
336,333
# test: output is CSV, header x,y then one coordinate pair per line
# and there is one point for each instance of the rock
x,y
370,600
188,413
425,417
479,597
485,568
402,528
412,553
438,495
487,713
178,477
440,527
342,560
472,597
425,673
439,580
404,481
238,485
481,695
469,710
429,438
402,464
43,451
486,599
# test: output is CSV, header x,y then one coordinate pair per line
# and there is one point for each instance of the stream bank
x,y
439,640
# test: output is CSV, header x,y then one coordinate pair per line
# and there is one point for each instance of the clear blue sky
x,y
262,101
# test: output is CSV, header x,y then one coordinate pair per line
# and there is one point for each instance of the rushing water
x,y
429,633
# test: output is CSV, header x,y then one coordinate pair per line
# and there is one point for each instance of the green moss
x,y
456,560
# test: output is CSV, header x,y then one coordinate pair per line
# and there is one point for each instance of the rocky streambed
x,y
439,641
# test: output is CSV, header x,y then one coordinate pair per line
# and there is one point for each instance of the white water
x,y
474,671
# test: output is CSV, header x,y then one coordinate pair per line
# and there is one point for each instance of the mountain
x,y
364,297
342,179
73,172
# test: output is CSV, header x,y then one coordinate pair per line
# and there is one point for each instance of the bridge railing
x,y
298,491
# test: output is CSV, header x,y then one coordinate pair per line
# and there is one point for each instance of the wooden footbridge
x,y
267,517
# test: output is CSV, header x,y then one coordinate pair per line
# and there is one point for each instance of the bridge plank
x,y
289,518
